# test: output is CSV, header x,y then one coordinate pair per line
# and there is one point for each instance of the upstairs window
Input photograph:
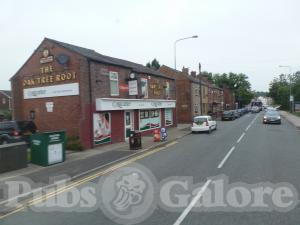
x,y
114,83
3,101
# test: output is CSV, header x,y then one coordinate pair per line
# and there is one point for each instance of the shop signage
x,y
123,87
52,91
133,87
49,106
49,79
46,58
104,104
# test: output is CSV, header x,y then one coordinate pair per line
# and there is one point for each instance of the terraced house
x,y
97,98
5,104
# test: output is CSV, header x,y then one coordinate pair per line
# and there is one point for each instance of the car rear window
x,y
272,113
226,112
200,120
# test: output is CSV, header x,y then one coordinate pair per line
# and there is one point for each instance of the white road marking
x,y
247,128
241,137
226,157
193,203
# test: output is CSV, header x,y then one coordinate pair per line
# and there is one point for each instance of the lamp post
x,y
175,43
290,86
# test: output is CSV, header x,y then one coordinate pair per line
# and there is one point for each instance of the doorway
x,y
128,123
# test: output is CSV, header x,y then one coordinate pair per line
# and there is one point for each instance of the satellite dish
x,y
63,59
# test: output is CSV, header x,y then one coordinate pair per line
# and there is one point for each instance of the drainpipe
x,y
200,89
91,102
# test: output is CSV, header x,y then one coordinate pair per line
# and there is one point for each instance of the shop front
x,y
115,118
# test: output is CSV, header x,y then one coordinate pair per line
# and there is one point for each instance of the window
x,y
196,108
3,101
114,83
196,92
149,119
168,117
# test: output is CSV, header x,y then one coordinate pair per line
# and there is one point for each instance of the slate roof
x,y
191,78
7,93
95,56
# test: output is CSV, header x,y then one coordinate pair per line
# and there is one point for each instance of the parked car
x,y
236,114
16,131
272,116
255,109
203,123
241,112
228,115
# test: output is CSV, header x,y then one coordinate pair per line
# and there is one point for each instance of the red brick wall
x,y
4,106
70,112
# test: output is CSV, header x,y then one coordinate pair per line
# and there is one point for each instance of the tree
x,y
154,64
279,89
238,83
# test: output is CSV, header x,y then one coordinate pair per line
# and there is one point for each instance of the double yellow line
x,y
85,180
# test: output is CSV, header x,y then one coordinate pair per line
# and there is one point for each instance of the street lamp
x,y
175,43
290,78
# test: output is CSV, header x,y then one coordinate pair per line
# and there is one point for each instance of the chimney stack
x,y
185,70
193,74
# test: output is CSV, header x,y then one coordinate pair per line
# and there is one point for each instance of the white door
x,y
128,123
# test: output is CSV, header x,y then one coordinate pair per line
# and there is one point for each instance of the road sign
x,y
291,98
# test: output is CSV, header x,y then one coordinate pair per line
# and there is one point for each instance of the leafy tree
x,y
279,91
238,83
154,64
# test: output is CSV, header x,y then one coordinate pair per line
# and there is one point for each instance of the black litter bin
x,y
135,140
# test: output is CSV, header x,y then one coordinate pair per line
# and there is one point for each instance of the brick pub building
x,y
92,96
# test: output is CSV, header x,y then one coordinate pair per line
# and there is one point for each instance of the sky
x,y
241,36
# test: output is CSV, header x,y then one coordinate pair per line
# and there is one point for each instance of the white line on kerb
x,y
226,157
241,137
192,204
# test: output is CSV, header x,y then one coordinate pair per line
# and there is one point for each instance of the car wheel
x,y
209,131
216,127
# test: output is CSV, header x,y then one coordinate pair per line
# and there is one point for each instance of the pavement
x,y
78,164
246,152
294,120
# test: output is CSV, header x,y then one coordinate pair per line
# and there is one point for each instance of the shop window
x,y
149,119
114,83
168,117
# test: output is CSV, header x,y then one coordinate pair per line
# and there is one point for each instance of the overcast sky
x,y
247,36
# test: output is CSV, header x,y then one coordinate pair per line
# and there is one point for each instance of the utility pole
x,y
200,89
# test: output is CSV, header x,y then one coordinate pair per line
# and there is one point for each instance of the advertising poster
x,y
133,87
167,89
102,128
144,87
168,117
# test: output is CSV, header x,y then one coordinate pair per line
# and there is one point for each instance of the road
x,y
244,151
